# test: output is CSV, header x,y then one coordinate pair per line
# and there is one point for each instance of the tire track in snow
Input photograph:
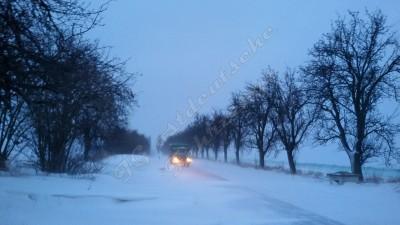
x,y
295,215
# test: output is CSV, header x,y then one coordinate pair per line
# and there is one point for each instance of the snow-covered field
x,y
324,160
136,190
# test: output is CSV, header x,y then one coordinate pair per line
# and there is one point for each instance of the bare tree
x,y
159,144
214,132
105,106
201,133
85,97
262,134
353,68
29,32
238,123
13,128
293,115
226,134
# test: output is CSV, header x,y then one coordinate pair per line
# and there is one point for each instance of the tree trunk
x,y
225,154
262,160
237,156
215,155
356,165
88,146
207,153
292,164
3,162
87,139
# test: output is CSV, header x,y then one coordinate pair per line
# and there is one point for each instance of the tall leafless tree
x,y
259,109
238,123
85,95
352,70
103,109
13,128
293,114
215,132
30,31
159,144
226,134
201,134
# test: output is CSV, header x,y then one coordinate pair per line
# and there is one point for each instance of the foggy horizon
x,y
176,44
180,49
199,112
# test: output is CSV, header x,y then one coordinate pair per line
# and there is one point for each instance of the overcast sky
x,y
182,47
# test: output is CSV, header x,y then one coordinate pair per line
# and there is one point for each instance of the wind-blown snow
x,y
141,190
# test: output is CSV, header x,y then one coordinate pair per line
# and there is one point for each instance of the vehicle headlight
x,y
175,160
189,160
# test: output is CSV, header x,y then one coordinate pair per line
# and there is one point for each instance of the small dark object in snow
x,y
342,176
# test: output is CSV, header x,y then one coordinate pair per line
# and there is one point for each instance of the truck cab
x,y
180,155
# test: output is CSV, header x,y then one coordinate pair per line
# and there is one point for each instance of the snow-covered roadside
x,y
307,162
349,203
141,190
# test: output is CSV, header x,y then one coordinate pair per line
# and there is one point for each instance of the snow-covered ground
x,y
137,190
316,159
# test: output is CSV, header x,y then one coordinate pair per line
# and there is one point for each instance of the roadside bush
x,y
78,166
394,180
374,179
124,141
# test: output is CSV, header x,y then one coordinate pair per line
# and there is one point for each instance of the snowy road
x,y
138,191
279,212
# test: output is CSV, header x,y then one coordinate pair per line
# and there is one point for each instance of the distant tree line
x,y
336,96
123,141
60,94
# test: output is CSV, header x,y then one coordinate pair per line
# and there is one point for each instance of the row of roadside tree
x,y
337,96
61,94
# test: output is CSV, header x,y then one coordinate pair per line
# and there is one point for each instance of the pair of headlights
x,y
176,160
